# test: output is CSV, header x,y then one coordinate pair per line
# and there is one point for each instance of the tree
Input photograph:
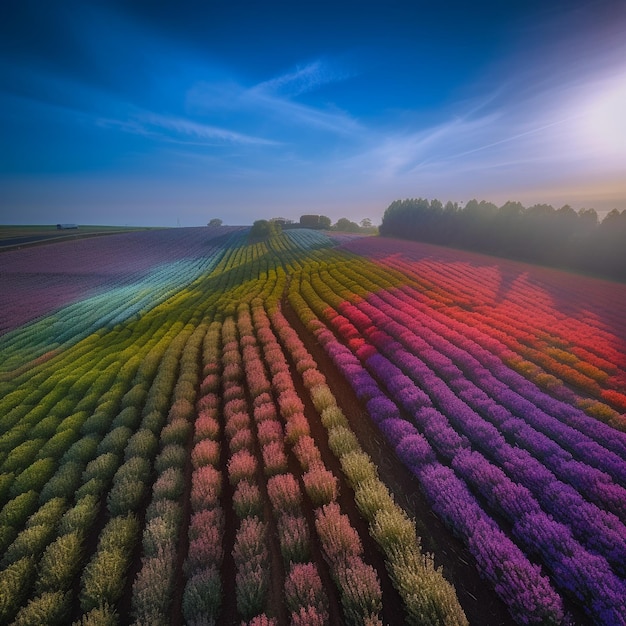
x,y
216,221
260,229
324,222
310,221
345,225
366,223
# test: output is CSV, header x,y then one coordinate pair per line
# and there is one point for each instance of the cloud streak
x,y
274,101
305,79
211,134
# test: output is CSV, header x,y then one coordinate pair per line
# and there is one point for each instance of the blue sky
x,y
160,113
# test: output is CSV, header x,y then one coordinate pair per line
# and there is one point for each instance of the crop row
x,y
128,381
444,391
115,305
160,464
37,281
527,593
356,581
578,349
89,468
436,601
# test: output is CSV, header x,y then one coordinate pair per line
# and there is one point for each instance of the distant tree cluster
x,y
343,224
262,229
539,234
321,222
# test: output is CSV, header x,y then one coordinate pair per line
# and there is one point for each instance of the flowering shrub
x,y
202,597
29,542
51,606
205,452
64,482
303,589
49,513
250,542
152,589
269,430
322,398
115,440
103,467
339,539
176,432
307,452
206,487
158,532
103,578
16,581
358,467
247,501
342,441
80,517
143,443
293,534
284,493
206,427
169,485
371,496
289,402
241,466
205,549
172,455
274,458
333,416
250,555
297,426
321,485
235,422
500,387
361,596
311,376
308,616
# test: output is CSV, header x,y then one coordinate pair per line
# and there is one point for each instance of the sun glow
x,y
603,123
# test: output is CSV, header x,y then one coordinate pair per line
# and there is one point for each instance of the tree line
x,y
541,234
261,229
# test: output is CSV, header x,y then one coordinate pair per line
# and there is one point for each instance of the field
x,y
200,428
11,236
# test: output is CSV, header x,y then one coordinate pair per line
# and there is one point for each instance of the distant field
x,y
24,235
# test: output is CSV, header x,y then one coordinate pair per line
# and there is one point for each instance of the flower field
x,y
200,428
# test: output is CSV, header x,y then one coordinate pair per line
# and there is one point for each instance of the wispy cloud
x,y
173,128
274,101
188,128
302,80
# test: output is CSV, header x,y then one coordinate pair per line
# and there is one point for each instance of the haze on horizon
x,y
143,113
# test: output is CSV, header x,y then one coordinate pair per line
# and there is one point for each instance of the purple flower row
x,y
395,380
599,530
589,480
527,593
474,345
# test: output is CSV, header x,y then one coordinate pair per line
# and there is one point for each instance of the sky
x,y
144,112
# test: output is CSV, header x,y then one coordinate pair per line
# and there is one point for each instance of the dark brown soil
x,y
228,613
479,601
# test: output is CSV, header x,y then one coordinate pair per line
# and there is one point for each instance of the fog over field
x,y
135,113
